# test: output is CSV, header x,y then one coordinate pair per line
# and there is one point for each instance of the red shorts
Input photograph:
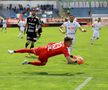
x,y
42,53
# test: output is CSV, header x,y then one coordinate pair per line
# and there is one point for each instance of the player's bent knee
x,y
43,63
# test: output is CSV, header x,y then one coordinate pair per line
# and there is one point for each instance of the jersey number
x,y
54,46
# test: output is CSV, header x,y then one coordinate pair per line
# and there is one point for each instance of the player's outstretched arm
x,y
61,29
70,60
83,30
76,59
37,28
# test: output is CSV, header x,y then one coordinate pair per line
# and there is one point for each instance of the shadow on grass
x,y
54,74
32,57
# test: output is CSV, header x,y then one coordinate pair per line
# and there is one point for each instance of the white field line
x,y
84,83
78,88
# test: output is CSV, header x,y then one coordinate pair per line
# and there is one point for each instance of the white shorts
x,y
4,26
72,36
21,29
96,34
73,41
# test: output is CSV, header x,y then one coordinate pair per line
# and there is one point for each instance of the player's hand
x,y
79,60
63,32
36,30
84,30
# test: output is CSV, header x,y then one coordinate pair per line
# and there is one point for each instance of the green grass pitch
x,y
56,75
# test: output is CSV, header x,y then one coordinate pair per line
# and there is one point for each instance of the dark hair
x,y
67,39
71,16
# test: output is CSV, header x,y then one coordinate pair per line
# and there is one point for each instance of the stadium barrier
x,y
13,22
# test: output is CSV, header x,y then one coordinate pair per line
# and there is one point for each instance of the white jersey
x,y
21,24
71,27
4,23
96,25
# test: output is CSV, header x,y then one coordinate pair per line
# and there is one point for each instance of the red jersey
x,y
56,49
52,49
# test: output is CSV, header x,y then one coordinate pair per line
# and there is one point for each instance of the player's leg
x,y
40,62
92,40
28,40
2,28
35,63
71,47
33,40
97,37
93,37
19,36
39,33
27,43
25,50
22,30
32,44
5,28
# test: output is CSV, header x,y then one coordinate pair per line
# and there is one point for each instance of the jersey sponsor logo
x,y
31,27
30,30
72,28
31,23
35,20
55,46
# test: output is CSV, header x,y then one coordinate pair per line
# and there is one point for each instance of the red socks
x,y
38,63
24,51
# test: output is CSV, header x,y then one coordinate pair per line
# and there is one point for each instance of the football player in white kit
x,y
96,27
21,25
70,30
4,25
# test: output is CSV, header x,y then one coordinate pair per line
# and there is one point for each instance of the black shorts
x,y
40,31
32,37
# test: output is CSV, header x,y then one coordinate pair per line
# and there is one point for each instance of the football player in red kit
x,y
45,52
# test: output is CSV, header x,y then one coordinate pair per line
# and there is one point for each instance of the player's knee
x,y
43,63
28,42
97,38
32,45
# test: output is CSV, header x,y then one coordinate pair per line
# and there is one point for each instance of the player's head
x,y
21,19
99,19
66,19
33,12
71,18
68,41
96,19
1,19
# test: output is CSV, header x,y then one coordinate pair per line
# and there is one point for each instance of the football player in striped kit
x,y
31,29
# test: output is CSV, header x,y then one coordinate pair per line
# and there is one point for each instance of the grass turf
x,y
56,75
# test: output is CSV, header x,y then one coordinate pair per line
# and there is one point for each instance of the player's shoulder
x,y
95,22
66,23
75,22
29,17
37,17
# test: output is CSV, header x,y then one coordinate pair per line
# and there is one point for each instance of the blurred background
x,y
54,12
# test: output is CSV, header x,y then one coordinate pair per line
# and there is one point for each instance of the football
x,y
80,60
